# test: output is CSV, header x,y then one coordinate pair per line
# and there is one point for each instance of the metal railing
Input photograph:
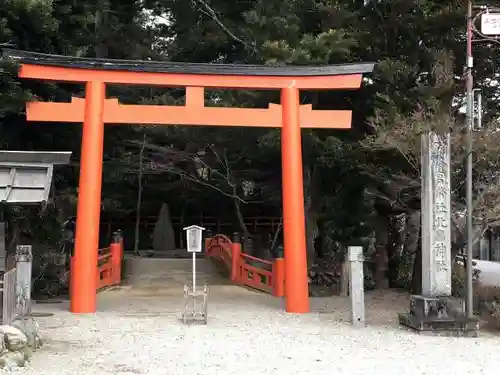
x,y
11,309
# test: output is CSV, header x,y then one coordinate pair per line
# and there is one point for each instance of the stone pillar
x,y
24,260
3,247
356,285
435,310
436,219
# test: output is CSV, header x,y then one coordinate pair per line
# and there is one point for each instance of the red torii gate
x,y
95,110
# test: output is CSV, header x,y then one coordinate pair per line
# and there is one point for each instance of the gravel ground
x,y
138,332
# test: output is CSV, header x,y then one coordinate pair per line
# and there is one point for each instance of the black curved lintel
x,y
34,58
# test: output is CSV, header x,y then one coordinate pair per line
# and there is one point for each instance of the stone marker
x,y
163,235
3,249
24,259
436,208
435,311
356,285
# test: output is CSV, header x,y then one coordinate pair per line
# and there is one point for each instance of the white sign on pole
x,y
490,24
194,238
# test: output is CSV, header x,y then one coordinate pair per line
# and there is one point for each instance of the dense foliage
x,y
357,183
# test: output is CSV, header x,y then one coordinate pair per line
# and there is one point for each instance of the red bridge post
x,y
116,250
235,256
279,277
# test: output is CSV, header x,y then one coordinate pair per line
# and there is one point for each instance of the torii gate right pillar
x,y
296,282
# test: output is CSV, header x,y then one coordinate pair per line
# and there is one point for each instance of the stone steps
x,y
146,272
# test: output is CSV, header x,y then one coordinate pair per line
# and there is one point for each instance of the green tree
x,y
66,27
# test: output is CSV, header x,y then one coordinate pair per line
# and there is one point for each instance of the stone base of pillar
x,y
442,316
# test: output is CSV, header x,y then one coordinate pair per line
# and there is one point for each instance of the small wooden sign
x,y
194,238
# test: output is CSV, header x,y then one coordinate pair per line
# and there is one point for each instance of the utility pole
x,y
470,118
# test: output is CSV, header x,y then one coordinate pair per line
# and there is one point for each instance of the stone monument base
x,y
442,316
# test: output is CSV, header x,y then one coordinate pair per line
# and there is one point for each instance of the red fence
x,y
264,275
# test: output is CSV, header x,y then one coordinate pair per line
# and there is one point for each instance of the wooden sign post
x,y
194,241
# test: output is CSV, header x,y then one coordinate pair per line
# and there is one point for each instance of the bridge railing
x,y
244,269
109,262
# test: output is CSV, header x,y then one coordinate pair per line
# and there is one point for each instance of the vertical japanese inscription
x,y
439,150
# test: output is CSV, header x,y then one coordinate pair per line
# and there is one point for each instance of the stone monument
x,y
164,236
435,310
356,285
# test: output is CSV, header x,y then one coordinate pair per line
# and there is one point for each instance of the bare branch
x,y
207,10
191,178
164,160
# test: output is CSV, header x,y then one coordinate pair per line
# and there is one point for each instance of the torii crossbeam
x,y
95,110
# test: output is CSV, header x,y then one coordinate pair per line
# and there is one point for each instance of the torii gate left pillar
x,y
95,110
89,201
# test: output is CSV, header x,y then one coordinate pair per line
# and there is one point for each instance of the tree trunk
x,y
276,236
311,212
311,232
381,240
139,197
101,27
395,247
182,220
412,234
413,250
241,221
182,244
416,277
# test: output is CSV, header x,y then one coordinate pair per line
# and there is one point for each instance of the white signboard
x,y
194,238
490,24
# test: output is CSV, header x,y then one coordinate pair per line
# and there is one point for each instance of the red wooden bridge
x,y
243,269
